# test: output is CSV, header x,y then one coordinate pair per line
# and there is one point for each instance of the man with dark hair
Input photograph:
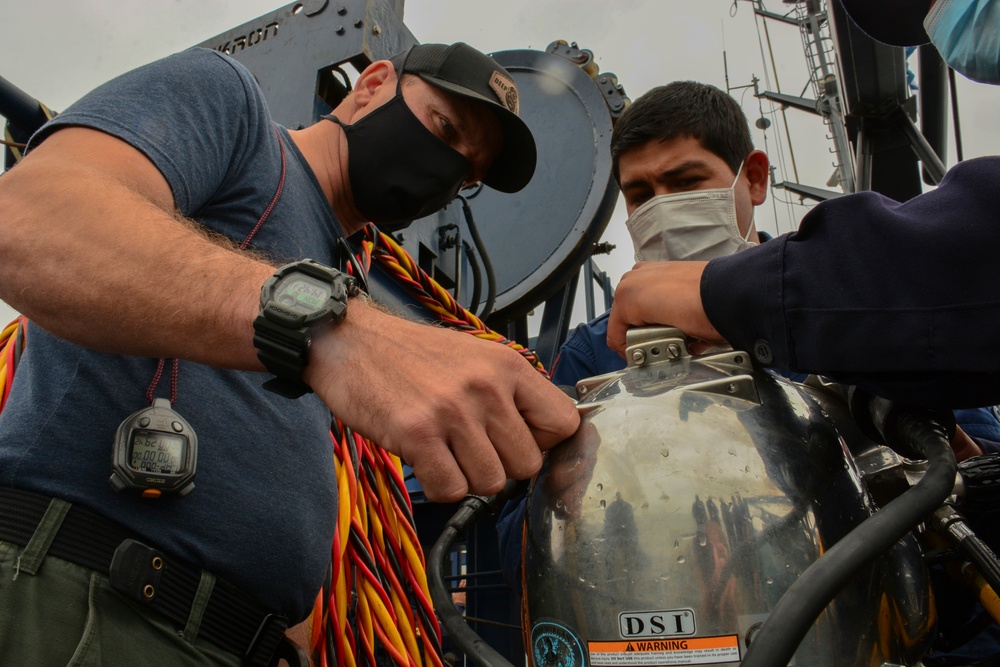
x,y
689,174
658,148
899,298
136,235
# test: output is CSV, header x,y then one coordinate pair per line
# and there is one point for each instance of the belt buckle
x,y
265,641
135,570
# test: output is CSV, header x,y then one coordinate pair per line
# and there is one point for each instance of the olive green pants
x,y
57,614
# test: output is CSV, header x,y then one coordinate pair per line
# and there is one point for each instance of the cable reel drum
x,y
696,491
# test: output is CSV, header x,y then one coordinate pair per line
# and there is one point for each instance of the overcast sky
x,y
56,50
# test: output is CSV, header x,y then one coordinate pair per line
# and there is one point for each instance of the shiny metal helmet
x,y
695,492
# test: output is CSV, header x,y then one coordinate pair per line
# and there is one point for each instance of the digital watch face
x,y
157,452
303,294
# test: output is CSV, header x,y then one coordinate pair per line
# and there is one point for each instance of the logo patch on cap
x,y
505,89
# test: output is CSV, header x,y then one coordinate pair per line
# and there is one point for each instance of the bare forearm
x,y
97,263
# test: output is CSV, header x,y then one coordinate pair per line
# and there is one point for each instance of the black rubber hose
x,y
970,544
491,276
477,277
805,599
984,559
470,511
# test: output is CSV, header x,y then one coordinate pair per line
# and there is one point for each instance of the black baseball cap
x,y
892,22
460,69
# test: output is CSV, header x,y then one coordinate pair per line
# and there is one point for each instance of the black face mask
x,y
399,171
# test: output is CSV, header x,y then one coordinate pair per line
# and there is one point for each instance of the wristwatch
x,y
298,299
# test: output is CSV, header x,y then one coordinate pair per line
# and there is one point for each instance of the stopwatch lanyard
x,y
174,372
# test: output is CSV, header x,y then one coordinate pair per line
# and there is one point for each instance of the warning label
x,y
686,651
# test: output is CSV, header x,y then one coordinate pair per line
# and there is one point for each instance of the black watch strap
x,y
283,352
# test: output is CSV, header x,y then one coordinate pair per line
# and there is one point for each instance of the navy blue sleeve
x,y
575,361
899,298
988,446
193,114
980,422
586,354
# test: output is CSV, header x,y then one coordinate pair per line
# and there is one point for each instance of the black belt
x,y
233,621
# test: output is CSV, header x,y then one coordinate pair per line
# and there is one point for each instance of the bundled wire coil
x,y
378,595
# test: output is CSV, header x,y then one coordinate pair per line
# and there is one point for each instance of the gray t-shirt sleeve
x,y
194,114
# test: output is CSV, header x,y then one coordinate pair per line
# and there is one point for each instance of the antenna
x,y
725,62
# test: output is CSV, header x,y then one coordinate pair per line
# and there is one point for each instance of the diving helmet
x,y
696,490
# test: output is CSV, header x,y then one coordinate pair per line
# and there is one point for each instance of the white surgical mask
x,y
967,33
696,225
